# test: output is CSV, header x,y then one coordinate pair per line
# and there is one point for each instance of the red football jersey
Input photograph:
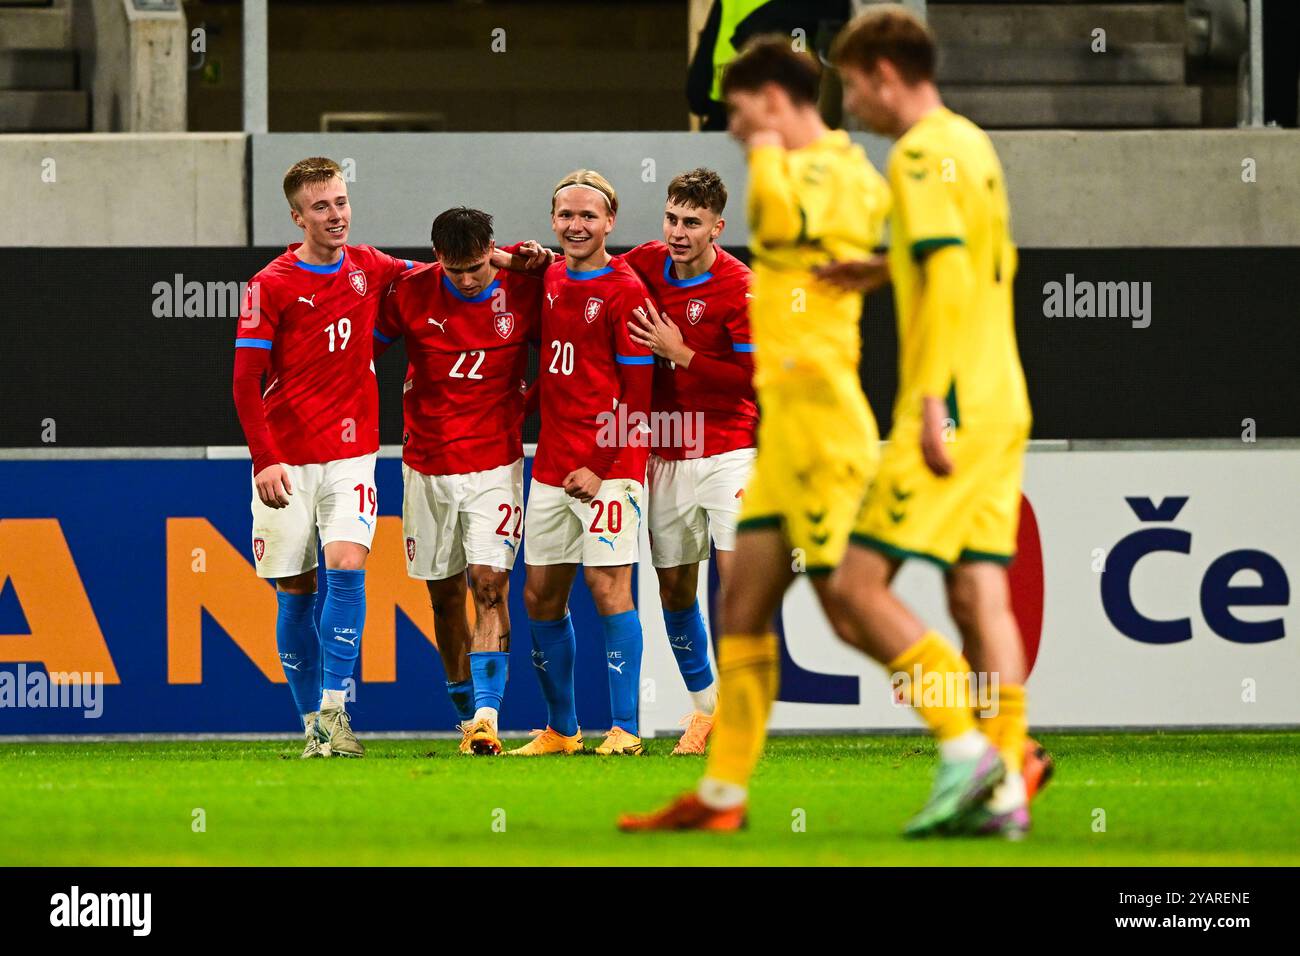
x,y
464,395
321,399
712,311
584,344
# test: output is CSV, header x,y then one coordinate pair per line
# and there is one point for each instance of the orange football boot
x,y
1038,767
696,736
687,812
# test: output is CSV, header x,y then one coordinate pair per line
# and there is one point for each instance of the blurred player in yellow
x,y
948,488
813,199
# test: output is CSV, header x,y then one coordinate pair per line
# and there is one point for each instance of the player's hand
x,y
659,334
273,486
531,256
583,484
764,137
865,275
934,425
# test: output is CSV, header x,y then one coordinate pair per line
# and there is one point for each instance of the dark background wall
x,y
84,347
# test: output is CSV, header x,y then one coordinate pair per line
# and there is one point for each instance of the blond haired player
x,y
313,433
587,492
952,499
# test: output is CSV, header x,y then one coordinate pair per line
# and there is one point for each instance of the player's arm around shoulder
x,y
390,322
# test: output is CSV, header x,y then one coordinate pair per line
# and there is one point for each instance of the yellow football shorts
x,y
971,515
817,450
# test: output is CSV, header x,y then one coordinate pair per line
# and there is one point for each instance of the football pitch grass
x,y
1163,799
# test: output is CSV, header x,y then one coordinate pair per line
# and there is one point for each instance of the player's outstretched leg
x,y
930,675
979,599
748,671
342,620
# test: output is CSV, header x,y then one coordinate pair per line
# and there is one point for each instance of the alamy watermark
x,y
620,428
978,691
1082,299
75,690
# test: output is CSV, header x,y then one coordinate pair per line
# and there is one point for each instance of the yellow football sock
x,y
748,670
1008,728
942,695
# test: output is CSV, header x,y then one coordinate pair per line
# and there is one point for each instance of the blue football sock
x,y
690,643
489,669
462,698
623,655
341,623
554,646
299,646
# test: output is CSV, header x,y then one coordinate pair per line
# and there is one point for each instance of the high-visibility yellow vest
x,y
733,12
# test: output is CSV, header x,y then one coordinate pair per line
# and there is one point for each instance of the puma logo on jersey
x,y
550,299
365,522
618,669
353,642
302,298
441,325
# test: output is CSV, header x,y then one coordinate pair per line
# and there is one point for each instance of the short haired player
x,y
313,433
467,326
813,200
698,325
587,492
953,499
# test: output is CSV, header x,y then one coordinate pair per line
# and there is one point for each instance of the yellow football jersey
x,y
948,189
808,207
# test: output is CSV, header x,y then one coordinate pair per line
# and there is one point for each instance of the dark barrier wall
x,y
95,343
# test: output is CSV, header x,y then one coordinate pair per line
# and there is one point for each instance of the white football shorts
x,y
693,500
452,521
336,501
603,532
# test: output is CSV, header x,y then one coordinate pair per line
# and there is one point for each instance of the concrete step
x,y
1076,106
1015,24
44,111
36,28
1076,63
38,70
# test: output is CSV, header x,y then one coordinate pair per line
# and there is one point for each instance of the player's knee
x,y
610,593
349,559
490,588
543,605
447,597
304,583
676,593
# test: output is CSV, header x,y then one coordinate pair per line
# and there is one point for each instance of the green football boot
x,y
960,786
336,729
315,743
